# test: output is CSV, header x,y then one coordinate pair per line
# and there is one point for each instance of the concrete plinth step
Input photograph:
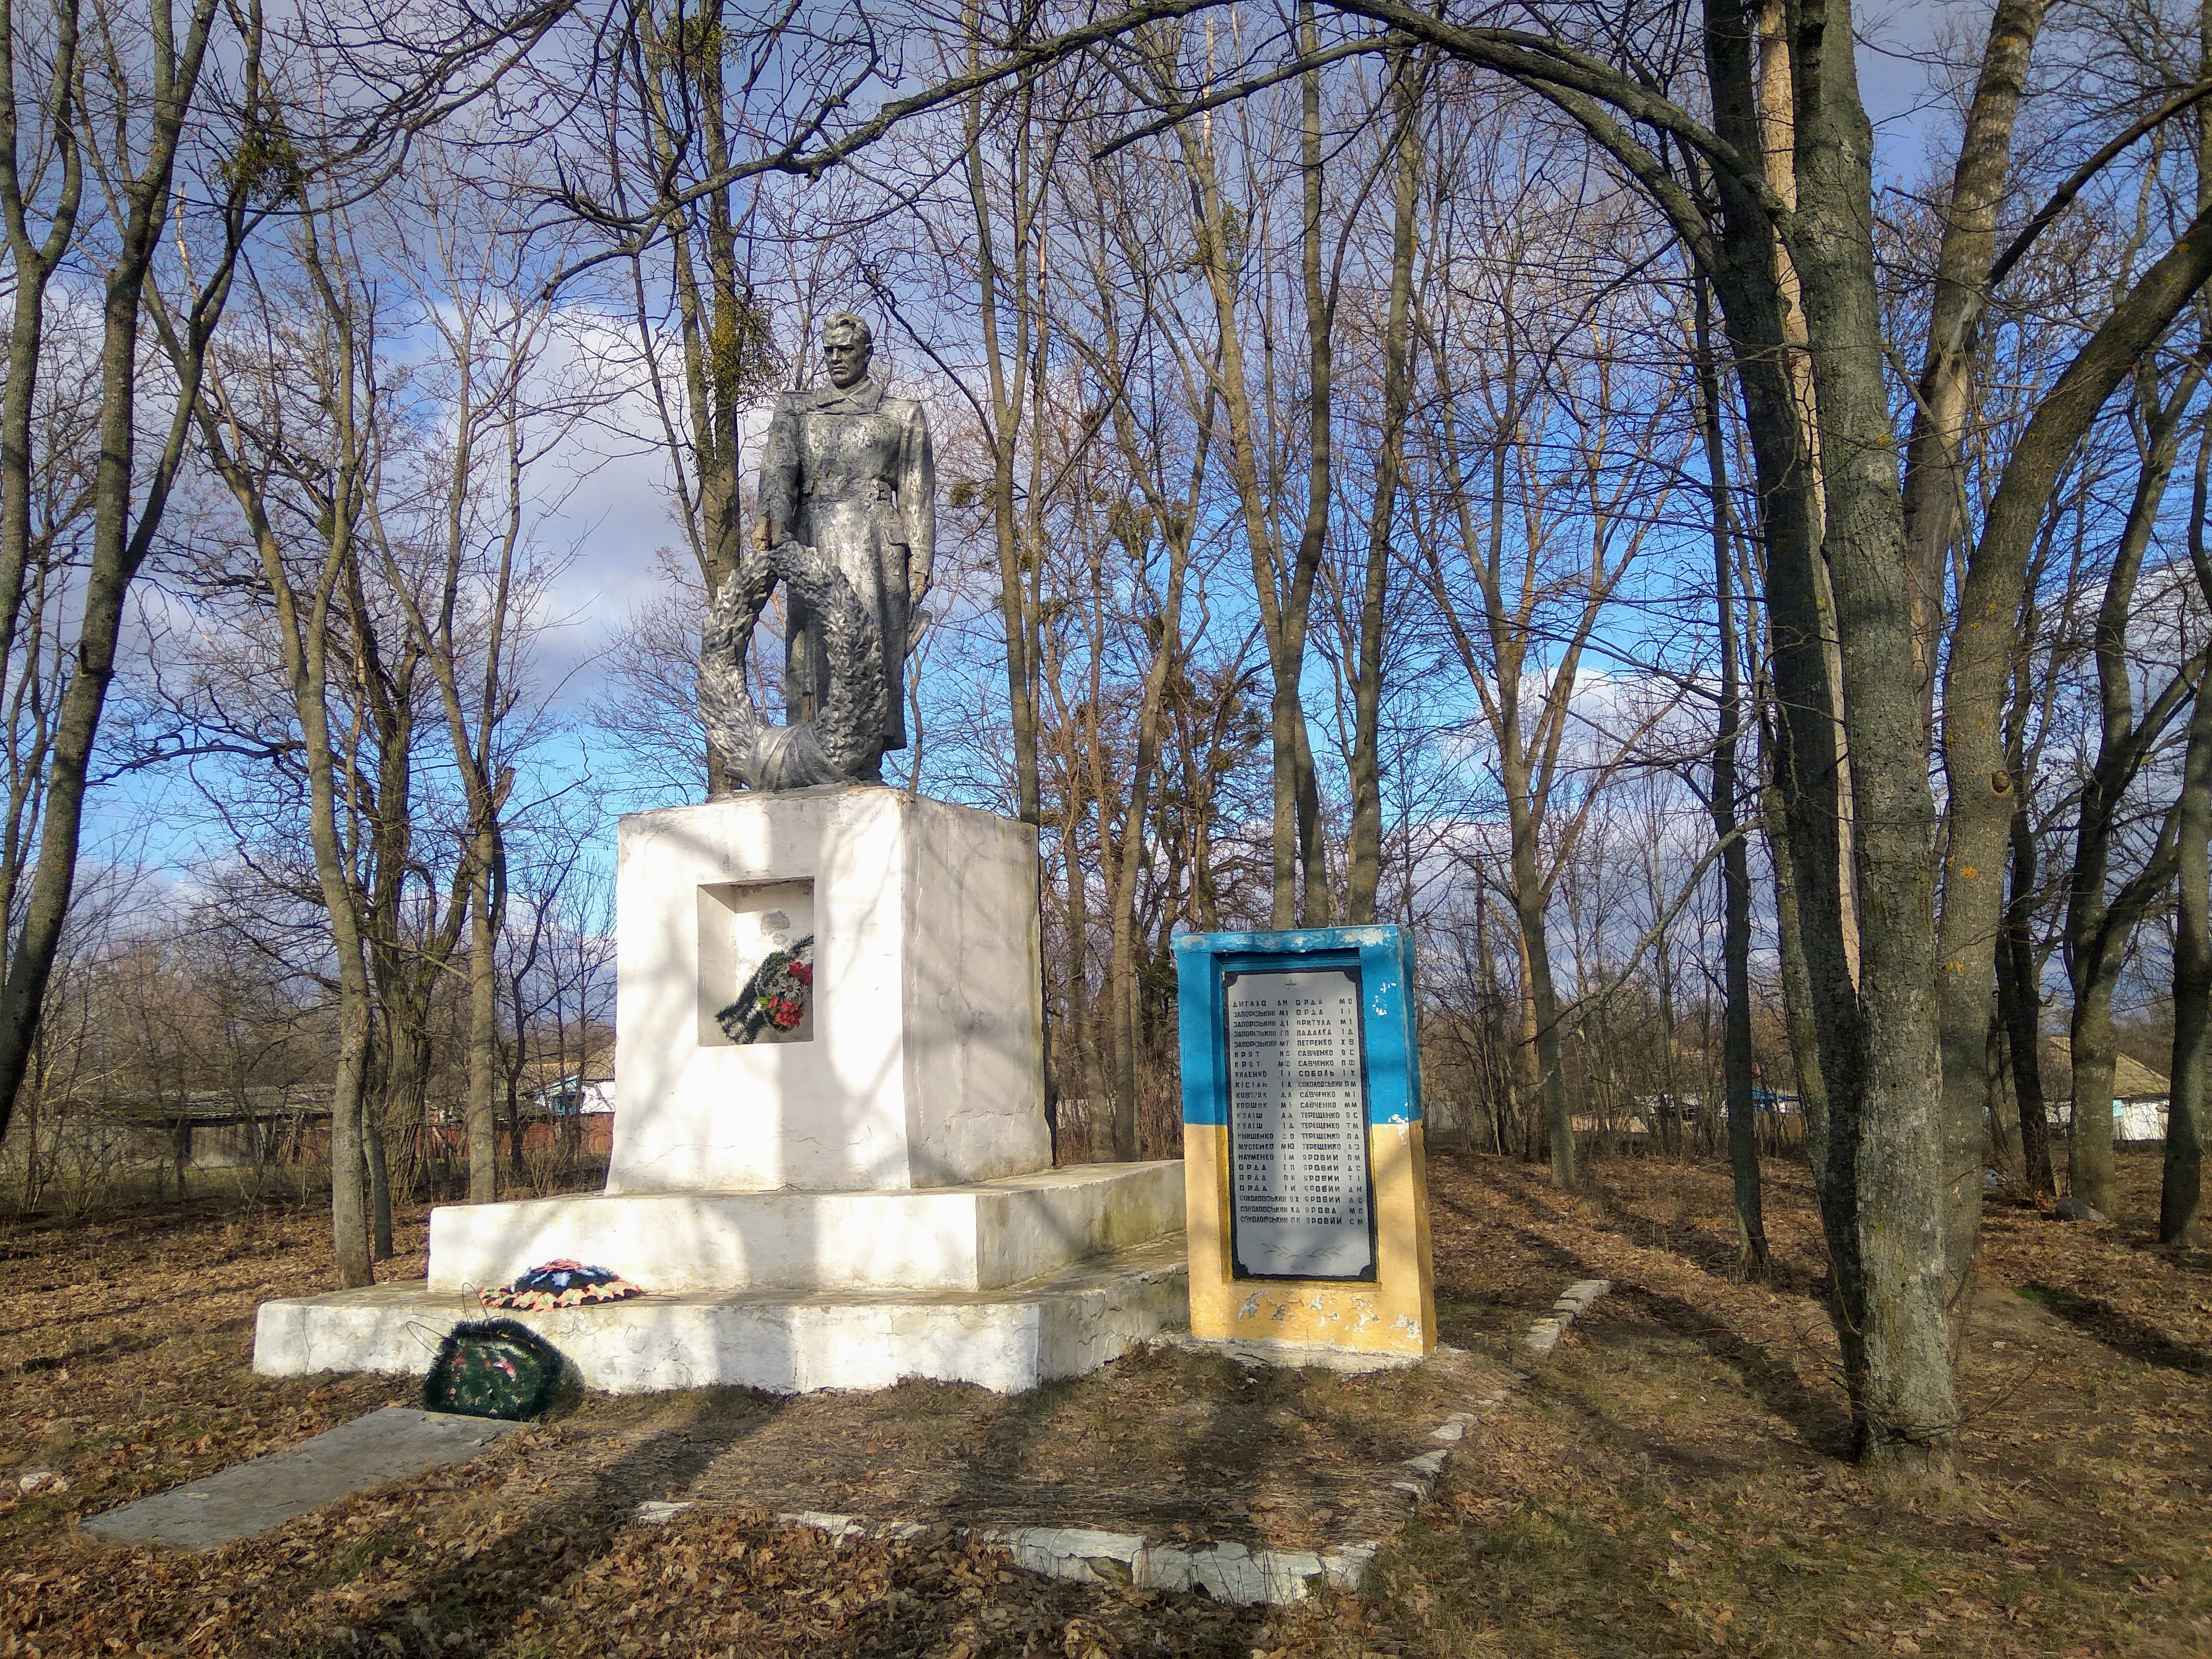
x,y
982,1237
1059,1324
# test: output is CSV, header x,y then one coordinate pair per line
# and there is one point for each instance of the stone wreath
x,y
843,741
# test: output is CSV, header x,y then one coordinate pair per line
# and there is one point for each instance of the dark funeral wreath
x,y
774,999
494,1367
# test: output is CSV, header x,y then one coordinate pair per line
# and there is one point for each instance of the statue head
x,y
846,345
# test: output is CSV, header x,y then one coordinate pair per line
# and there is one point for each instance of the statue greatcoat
x,y
850,473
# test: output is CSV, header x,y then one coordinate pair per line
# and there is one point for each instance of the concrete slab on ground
x,y
251,1499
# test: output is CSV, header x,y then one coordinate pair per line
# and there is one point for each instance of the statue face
x,y
848,356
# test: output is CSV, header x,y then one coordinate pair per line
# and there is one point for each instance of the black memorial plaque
x,y
1301,1195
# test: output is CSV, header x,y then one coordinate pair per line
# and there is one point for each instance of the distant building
x,y
2139,1097
575,1095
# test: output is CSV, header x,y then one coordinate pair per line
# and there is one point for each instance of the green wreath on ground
x,y
494,1367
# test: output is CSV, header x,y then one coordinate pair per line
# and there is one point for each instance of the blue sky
x,y
613,513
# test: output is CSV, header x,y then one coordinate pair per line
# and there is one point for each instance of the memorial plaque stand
x,y
1307,1191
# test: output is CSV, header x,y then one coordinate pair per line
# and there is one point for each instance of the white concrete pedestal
x,y
922,1062
864,1198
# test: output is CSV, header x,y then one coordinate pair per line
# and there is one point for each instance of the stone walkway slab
x,y
255,1497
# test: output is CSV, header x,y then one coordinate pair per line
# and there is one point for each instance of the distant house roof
x,y
210,1108
2131,1078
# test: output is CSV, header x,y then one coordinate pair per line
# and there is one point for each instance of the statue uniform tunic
x,y
850,474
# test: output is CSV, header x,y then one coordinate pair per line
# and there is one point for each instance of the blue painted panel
x,y
1384,957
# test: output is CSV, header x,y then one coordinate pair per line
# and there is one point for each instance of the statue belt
x,y
846,489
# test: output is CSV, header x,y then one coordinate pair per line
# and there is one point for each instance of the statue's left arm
x,y
917,496
779,474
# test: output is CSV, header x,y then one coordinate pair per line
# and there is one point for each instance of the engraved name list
x,y
1299,1184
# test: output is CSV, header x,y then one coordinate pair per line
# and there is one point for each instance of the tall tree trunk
x,y
405,1081
34,260
2098,933
1122,978
1735,864
1935,462
518,1131
1999,1124
1283,580
1808,808
1082,1053
303,632
2020,999
1529,1117
1796,979
1541,998
1977,745
1935,492
2096,1058
1174,518
1006,390
1365,854
480,1110
1018,614
376,1166
119,544
1314,905
2182,1183
2099,923
721,328
1878,1046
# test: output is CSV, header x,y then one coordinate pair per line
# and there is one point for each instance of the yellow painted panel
x,y
1394,1315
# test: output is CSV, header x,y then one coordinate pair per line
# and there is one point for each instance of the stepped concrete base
x,y
1062,1324
977,1237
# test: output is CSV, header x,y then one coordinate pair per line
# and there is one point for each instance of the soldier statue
x,y
849,524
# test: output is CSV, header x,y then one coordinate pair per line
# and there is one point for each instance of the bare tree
x,y
145,75
1541,475
318,479
485,296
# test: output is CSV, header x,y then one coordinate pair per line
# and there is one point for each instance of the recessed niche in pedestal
x,y
925,1067
741,926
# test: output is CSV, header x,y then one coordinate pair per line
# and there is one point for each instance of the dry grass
x,y
1674,1484
1670,1484
1166,1443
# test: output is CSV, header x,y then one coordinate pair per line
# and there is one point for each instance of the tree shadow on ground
x,y
483,1592
1228,1453
148,1305
2123,1332
1552,1255
1820,1422
1710,1252
1645,1441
